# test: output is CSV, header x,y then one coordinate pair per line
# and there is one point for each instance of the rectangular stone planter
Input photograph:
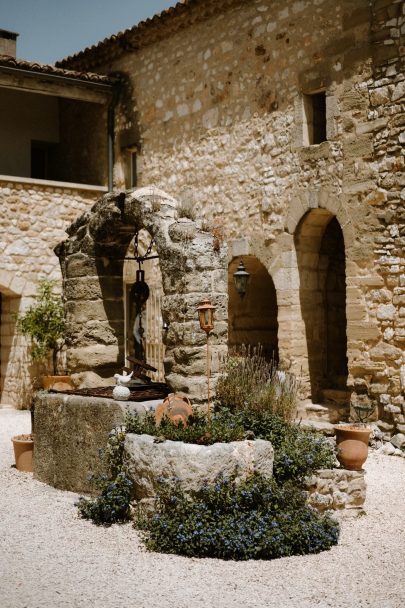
x,y
192,465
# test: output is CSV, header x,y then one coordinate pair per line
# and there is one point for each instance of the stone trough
x,y
193,465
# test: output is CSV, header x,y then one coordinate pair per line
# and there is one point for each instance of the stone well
x,y
193,266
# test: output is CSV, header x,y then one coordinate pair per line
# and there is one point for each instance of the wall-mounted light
x,y
241,279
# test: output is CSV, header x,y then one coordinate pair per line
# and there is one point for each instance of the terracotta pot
x,y
352,446
57,382
23,452
176,407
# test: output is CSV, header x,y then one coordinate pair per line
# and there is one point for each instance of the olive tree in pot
x,y
44,324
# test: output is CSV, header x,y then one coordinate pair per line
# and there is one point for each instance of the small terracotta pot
x,y
176,407
57,382
352,446
23,452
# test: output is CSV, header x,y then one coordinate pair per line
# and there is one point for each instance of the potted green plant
x,y
352,438
44,324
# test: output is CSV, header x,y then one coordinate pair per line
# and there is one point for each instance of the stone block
x,y
93,357
191,464
69,432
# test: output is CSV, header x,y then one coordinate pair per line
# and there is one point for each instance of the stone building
x,y
51,170
280,124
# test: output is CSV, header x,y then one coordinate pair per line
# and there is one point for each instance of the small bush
x,y
249,382
222,428
253,520
115,487
298,453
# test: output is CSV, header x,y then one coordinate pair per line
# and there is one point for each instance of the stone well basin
x,y
69,432
193,465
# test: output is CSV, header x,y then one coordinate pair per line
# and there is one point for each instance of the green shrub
x,y
115,487
249,382
256,519
298,453
44,323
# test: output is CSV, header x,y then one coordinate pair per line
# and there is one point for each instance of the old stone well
x,y
71,428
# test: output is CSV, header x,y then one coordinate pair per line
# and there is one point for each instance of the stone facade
x,y
34,216
222,103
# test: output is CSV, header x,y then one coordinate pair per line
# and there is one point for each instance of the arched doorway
x,y
253,319
322,277
152,321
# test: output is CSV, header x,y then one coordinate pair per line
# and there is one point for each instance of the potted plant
x,y
24,449
352,438
44,324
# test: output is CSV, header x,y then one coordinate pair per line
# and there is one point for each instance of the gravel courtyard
x,y
51,559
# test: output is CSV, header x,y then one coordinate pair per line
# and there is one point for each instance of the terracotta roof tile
x,y
41,68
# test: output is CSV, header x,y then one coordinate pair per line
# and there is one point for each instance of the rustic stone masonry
x,y
192,267
336,489
33,218
221,106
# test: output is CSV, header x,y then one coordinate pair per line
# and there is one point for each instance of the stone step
x,y
326,428
315,411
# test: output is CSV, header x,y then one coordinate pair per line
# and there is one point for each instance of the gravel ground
x,y
51,559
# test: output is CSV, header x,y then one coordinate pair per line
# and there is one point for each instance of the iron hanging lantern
x,y
206,315
140,289
241,279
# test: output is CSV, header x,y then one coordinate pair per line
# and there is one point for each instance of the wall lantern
x,y
206,317
241,279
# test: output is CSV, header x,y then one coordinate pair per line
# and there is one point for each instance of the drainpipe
x,y
111,134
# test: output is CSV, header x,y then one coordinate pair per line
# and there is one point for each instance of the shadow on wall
x,y
253,319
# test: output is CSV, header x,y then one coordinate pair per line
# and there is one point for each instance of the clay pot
x,y
176,408
23,452
58,383
352,446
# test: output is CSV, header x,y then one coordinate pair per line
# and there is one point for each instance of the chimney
x,y
8,43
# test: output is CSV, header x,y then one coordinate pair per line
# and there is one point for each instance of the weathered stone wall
x,y
33,218
192,267
336,489
219,110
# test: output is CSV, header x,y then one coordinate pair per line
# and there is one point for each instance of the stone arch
x,y
322,292
253,319
92,266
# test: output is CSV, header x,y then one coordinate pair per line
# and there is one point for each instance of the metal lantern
x,y
241,279
140,289
206,315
